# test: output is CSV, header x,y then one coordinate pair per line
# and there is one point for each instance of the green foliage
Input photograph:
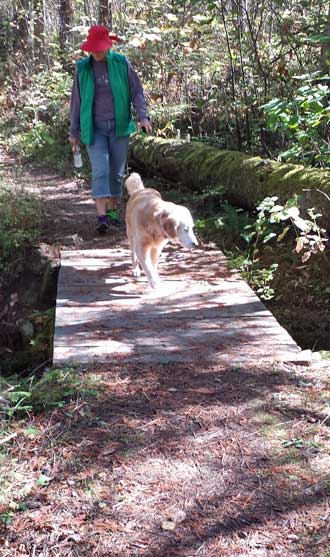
x,y
310,239
41,342
222,217
20,215
303,119
44,119
54,389
260,280
296,443
29,144
45,100
271,222
206,68
228,221
7,517
164,118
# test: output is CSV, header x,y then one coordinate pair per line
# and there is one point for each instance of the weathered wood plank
x,y
223,355
189,295
203,312
252,328
132,308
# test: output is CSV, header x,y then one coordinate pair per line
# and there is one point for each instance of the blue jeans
x,y
108,156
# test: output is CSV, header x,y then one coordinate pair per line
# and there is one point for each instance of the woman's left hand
x,y
145,123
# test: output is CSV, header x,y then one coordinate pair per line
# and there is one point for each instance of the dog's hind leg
x,y
144,256
136,272
135,262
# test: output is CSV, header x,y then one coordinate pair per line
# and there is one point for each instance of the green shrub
x,y
304,121
54,389
243,237
20,215
43,123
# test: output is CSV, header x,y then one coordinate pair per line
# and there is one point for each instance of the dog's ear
x,y
163,214
169,225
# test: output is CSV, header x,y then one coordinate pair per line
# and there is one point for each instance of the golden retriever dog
x,y
151,222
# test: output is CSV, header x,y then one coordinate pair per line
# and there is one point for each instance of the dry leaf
x,y
111,448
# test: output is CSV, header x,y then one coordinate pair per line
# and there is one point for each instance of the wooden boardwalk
x,y
202,313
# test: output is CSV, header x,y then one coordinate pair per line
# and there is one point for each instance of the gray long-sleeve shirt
x,y
103,106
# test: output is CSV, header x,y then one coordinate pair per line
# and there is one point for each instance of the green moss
x,y
246,179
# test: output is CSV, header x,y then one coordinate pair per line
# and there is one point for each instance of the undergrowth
x,y
20,223
22,395
251,240
35,124
22,400
20,218
281,252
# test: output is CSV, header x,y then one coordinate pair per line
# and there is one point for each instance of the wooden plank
x,y
203,312
171,262
172,297
252,331
102,276
223,355
174,253
133,309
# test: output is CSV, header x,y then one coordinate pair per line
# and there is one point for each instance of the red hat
x,y
98,39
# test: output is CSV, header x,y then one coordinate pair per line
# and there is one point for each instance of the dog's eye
x,y
186,229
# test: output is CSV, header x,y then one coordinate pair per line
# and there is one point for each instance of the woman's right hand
x,y
75,142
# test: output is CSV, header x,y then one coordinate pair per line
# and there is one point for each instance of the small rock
x,y
26,328
178,516
168,525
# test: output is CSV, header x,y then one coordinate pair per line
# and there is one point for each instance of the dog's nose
x,y
193,244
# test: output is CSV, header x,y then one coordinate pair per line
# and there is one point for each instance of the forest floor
x,y
176,460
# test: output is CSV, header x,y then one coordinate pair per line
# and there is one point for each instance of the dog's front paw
x,y
154,284
136,272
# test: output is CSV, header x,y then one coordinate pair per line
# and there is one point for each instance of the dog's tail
x,y
134,183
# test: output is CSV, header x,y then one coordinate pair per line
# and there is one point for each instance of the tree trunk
x,y
325,48
246,179
38,34
105,13
22,41
65,15
232,77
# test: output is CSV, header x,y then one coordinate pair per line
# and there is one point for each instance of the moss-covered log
x,y
246,179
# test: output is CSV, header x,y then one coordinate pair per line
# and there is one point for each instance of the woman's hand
x,y
145,124
75,142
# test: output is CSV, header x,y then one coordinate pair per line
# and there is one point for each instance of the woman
x,y
105,87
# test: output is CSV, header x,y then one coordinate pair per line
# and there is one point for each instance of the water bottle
x,y
77,160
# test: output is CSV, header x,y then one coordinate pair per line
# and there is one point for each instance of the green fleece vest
x,y
118,79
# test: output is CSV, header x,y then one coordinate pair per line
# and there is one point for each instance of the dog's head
x,y
178,225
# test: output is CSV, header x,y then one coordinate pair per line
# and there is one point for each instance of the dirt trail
x,y
166,460
69,213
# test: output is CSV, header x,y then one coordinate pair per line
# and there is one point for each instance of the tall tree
x,y
22,39
325,48
38,33
105,13
65,16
